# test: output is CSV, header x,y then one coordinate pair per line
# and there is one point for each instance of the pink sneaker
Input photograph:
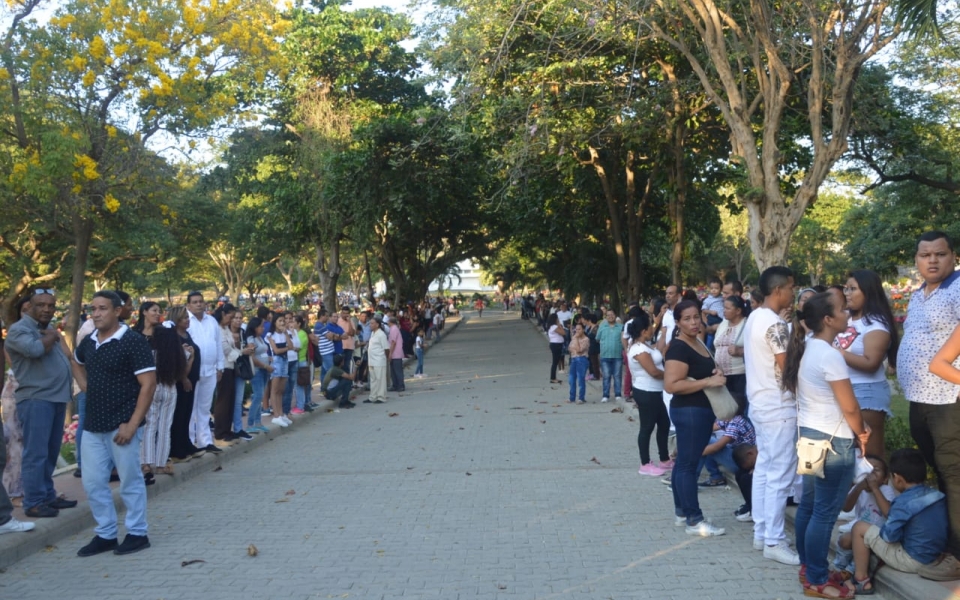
x,y
667,465
297,411
651,469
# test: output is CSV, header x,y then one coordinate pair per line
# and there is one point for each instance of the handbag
x,y
303,376
244,368
812,454
722,402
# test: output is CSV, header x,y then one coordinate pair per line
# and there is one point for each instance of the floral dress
x,y
13,434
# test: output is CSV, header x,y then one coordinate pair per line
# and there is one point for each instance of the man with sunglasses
x,y
39,360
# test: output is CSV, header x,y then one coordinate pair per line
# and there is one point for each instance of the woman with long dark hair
x,y
557,335
646,380
826,410
728,343
172,366
230,346
148,318
261,374
181,448
870,337
689,370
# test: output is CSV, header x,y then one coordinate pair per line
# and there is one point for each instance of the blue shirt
x,y
325,346
918,521
337,344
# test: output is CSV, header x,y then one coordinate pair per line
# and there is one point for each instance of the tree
x,y
816,244
758,63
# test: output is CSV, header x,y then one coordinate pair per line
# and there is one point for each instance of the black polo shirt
x,y
112,369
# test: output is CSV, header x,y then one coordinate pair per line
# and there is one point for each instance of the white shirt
x,y
553,336
851,340
821,364
668,324
206,335
765,336
564,316
293,350
638,375
930,321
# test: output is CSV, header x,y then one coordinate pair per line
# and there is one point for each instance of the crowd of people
x,y
170,386
807,372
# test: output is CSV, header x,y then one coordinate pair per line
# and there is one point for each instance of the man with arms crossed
x,y
115,366
774,414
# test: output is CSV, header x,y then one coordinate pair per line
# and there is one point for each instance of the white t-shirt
x,y
564,316
555,338
668,324
418,343
866,508
851,340
765,336
821,364
641,379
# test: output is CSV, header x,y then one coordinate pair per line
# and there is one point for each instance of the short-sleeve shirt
x,y
930,321
698,367
820,365
337,344
554,336
332,379
324,345
765,336
851,340
609,337
112,385
396,338
639,377
740,430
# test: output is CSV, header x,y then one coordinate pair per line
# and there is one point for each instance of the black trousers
x,y
653,414
180,444
556,349
934,427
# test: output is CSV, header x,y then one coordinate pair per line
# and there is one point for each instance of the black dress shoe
x,y
214,449
42,511
368,401
132,543
97,546
62,503
77,473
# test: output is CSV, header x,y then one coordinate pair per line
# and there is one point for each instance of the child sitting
x,y
745,455
870,500
726,435
915,533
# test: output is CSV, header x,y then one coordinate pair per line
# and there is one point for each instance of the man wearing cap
x,y
40,363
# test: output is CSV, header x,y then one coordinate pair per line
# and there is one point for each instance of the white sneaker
x,y
679,521
782,553
604,399
287,419
757,544
280,421
705,529
619,398
745,517
14,525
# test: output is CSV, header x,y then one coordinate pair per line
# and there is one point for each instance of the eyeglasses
x,y
44,291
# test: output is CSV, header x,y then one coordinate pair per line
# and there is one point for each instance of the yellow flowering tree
x,y
85,94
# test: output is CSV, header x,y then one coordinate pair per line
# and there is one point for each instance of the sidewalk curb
x,y
49,532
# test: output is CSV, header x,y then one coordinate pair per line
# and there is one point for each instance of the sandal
x,y
861,590
820,591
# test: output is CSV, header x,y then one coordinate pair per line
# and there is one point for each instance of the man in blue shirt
x,y
611,360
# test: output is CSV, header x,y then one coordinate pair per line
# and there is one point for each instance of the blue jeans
x,y
81,400
303,391
578,372
714,461
419,353
287,401
611,367
100,455
42,423
327,360
239,388
821,503
258,383
694,426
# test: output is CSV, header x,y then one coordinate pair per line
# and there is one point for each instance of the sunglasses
x,y
44,291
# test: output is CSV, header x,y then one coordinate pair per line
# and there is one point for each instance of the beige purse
x,y
811,454
722,402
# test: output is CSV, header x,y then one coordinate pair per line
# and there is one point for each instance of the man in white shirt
x,y
205,332
774,414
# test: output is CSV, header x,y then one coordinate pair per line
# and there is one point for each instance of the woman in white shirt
x,y
557,336
646,373
826,410
870,337
728,343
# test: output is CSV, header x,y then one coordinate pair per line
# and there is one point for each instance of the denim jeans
x,y
694,426
287,401
341,393
419,353
611,368
100,455
578,373
347,361
396,372
303,391
42,423
327,360
258,383
81,401
821,503
239,391
714,461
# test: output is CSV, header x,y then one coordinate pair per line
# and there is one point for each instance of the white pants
x,y
155,442
773,477
200,420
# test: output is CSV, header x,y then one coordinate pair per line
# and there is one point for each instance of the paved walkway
x,y
480,482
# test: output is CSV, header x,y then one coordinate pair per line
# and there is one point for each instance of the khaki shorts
x,y
891,553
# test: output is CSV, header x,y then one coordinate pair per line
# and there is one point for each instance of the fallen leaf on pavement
x,y
281,500
542,421
252,550
469,473
393,414
594,459
630,418
192,562
290,493
218,469
617,410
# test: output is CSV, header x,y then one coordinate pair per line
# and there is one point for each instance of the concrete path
x,y
479,482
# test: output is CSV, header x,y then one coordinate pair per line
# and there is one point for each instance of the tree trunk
x,y
328,272
366,264
82,235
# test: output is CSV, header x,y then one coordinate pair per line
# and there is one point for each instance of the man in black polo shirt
x,y
115,366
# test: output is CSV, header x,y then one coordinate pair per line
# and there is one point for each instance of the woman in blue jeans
x,y
826,410
261,374
579,348
690,413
